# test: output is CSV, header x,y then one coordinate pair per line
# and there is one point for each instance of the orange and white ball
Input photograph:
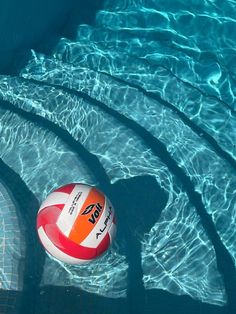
x,y
76,223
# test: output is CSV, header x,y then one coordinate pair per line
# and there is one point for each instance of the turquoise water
x,y
140,101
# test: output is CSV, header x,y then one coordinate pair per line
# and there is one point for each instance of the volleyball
x,y
76,223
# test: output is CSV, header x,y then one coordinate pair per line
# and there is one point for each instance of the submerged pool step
x,y
41,151
12,250
228,9
102,135
200,162
200,107
199,70
202,68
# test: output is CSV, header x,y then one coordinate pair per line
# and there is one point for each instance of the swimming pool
x,y
142,105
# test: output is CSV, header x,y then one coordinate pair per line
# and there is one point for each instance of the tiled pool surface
x,y
142,105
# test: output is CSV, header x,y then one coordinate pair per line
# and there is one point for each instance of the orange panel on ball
x,y
88,216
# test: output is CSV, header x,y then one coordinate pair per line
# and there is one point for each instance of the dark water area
x,y
32,24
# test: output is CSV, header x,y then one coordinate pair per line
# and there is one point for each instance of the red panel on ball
x,y
47,219
103,246
49,215
66,188
66,245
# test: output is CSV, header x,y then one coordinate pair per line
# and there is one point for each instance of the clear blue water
x,y
137,98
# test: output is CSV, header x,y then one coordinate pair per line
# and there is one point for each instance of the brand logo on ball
x,y
88,209
95,214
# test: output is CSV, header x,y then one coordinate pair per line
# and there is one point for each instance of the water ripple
x,y
175,218
144,92
211,174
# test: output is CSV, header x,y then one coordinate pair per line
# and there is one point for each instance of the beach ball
x,y
76,223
